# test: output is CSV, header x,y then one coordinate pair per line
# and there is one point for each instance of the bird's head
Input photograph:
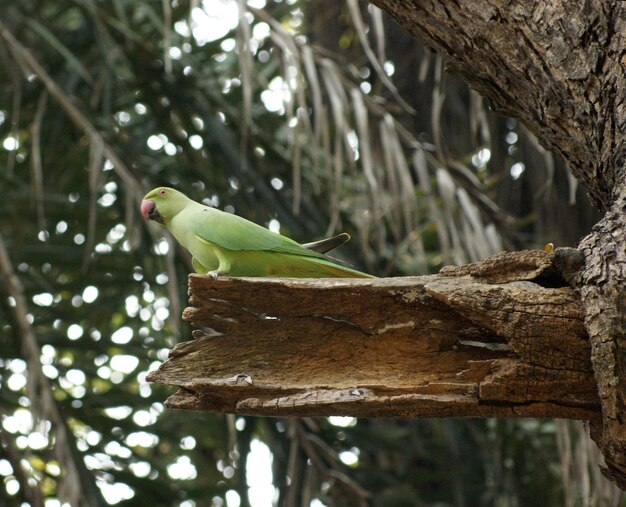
x,y
162,204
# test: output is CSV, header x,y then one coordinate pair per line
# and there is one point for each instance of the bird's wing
x,y
232,232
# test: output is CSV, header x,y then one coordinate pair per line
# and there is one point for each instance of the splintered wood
x,y
497,338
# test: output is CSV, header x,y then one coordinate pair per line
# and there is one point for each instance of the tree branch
x,y
482,340
556,68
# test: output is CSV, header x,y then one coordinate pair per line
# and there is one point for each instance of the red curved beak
x,y
147,207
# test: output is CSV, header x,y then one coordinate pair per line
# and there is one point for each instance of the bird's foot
x,y
214,274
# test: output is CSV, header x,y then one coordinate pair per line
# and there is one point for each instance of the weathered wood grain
x,y
443,345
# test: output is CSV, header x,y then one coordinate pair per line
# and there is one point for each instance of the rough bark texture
x,y
482,340
603,291
560,67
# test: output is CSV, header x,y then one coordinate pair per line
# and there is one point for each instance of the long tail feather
x,y
328,244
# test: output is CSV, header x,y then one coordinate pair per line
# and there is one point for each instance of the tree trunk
x,y
560,68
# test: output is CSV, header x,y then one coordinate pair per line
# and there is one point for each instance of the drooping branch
x,y
483,340
75,485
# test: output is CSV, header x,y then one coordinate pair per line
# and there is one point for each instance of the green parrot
x,y
224,244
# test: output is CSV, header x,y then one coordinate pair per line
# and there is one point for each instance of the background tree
x,y
308,117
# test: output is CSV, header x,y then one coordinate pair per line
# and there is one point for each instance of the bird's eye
x,y
162,192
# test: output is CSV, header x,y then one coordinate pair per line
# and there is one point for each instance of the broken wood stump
x,y
500,338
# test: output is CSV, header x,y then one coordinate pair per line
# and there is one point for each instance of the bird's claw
x,y
214,274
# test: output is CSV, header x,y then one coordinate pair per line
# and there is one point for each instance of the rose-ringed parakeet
x,y
226,244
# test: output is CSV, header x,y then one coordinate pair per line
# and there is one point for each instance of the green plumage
x,y
225,244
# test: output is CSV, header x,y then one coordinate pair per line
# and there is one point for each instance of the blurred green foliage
x,y
104,290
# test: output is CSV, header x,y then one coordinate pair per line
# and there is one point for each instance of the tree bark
x,y
560,68
504,337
